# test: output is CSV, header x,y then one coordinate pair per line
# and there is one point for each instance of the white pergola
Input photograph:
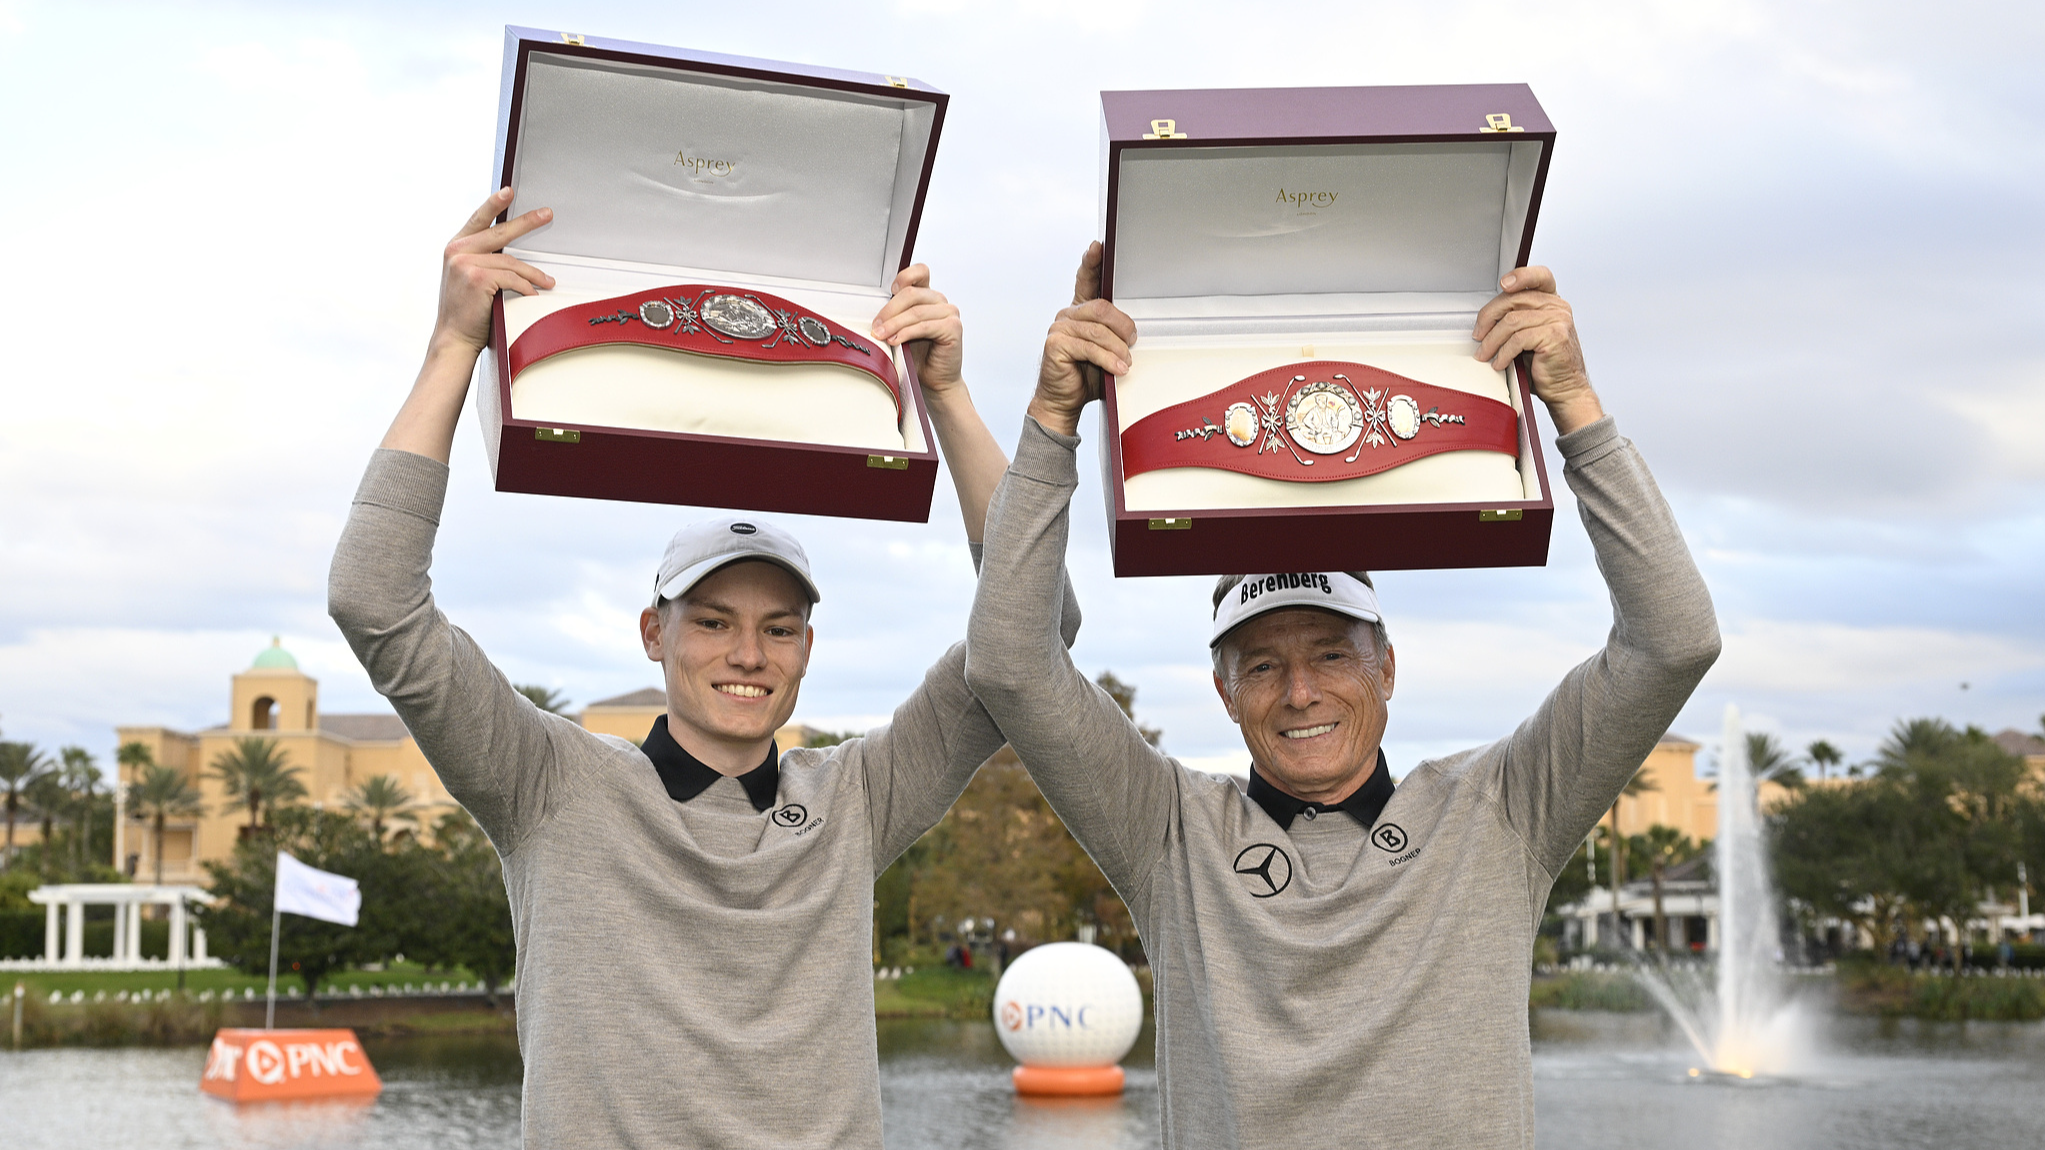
x,y
64,906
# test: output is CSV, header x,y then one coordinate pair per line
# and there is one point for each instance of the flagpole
x,y
270,1009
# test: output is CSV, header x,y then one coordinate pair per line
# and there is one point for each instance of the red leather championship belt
x,y
1317,422
706,320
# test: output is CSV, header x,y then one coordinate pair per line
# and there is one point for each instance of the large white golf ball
x,y
1068,1004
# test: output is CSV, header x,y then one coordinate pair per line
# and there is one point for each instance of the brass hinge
x,y
1500,122
557,435
574,38
897,81
1502,515
1164,130
1183,524
888,462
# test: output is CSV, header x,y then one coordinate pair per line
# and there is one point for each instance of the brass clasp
x,y
574,38
557,435
1180,524
1500,122
1164,130
1502,515
888,462
897,81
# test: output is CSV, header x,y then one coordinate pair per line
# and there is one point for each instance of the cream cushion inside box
x,y
652,389
1173,370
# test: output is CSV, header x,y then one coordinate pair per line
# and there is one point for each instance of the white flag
x,y
315,893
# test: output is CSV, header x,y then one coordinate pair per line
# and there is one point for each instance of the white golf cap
x,y
701,548
1335,591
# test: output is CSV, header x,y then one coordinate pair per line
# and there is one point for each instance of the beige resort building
x,y
275,700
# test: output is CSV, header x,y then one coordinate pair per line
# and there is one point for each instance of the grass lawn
x,y
935,992
92,982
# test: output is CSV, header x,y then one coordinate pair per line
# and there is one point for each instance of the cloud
x,y
1798,245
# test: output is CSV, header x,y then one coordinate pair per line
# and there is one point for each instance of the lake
x,y
1601,1081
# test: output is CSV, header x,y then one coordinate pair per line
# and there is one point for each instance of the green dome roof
x,y
275,658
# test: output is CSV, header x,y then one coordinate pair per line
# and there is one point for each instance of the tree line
x,y
1904,846
439,901
1001,860
433,894
1939,822
67,798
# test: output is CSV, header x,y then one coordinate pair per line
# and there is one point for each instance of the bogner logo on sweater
x,y
1391,838
1263,869
796,817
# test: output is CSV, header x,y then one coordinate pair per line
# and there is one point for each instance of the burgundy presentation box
x,y
769,189
1252,231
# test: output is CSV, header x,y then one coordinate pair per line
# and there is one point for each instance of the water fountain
x,y
1742,1023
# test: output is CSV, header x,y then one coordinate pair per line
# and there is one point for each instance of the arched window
x,y
263,714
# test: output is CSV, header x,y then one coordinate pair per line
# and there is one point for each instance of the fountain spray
x,y
1743,1024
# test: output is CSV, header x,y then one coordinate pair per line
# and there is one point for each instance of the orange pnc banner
x,y
266,1065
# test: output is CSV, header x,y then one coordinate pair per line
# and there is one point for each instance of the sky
x,y
1801,239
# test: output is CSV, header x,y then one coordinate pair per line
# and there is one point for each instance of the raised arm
x,y
495,751
918,764
1113,790
1564,766
473,269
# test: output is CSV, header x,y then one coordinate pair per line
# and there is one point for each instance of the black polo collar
x,y
1363,804
685,776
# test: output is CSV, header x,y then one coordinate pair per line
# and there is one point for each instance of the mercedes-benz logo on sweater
x,y
1263,869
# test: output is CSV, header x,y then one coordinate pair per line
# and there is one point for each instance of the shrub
x,y
21,933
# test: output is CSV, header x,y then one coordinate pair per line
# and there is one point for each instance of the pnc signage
x,y
261,1065
1030,1015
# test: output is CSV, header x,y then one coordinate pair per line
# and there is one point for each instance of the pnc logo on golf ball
x,y
1068,1004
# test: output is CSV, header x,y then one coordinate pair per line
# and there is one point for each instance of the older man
x,y
1338,961
694,916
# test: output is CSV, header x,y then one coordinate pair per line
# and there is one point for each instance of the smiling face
x,y
734,648
1309,689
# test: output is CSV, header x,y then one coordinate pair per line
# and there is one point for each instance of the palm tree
x,y
82,777
20,765
48,797
134,757
545,698
1824,756
381,799
160,794
1663,847
1769,761
257,774
1913,740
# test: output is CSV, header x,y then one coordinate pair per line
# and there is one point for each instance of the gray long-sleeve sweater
x,y
1329,985
689,974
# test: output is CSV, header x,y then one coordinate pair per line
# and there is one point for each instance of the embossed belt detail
x,y
707,320
1317,422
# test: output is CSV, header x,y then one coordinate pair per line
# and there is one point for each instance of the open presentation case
x,y
784,196
1264,238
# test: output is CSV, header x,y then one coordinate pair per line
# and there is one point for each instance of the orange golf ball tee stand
x,y
1068,1081
277,1065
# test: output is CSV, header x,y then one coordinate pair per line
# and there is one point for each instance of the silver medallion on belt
x,y
1324,417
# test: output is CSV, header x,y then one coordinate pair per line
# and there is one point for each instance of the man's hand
x,y
1089,340
1528,316
927,325
474,268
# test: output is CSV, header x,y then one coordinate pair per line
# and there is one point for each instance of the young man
x,y
1337,962
694,920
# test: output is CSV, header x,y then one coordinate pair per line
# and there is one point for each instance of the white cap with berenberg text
x,y
701,548
1334,591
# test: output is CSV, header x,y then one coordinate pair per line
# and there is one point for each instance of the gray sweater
x,y
1355,987
689,974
